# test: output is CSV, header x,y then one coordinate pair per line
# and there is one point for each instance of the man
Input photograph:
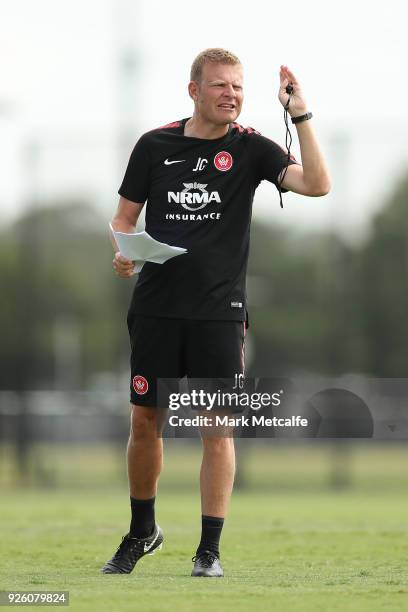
x,y
188,316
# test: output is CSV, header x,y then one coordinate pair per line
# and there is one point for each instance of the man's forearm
x,y
315,171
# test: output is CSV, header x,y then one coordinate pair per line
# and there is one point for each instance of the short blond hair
x,y
215,55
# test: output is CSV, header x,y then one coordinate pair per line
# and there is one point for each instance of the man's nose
x,y
229,91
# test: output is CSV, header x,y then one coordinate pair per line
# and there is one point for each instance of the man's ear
x,y
193,90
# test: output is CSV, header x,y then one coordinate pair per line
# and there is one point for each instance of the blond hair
x,y
215,55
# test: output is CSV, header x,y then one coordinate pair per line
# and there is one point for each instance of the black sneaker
x,y
131,550
206,563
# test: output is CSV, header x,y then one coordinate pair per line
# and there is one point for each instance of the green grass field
x,y
286,551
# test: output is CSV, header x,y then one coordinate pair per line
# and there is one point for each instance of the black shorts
x,y
167,348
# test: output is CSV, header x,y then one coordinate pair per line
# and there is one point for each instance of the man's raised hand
x,y
297,104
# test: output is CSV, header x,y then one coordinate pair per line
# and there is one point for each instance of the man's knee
x,y
143,422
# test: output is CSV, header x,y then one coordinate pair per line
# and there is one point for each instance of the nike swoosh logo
x,y
148,546
176,161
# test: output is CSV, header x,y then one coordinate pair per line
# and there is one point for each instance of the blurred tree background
x,y
316,302
63,306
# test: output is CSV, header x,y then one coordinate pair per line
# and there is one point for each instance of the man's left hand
x,y
297,104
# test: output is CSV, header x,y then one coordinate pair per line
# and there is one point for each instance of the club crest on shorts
x,y
140,384
223,161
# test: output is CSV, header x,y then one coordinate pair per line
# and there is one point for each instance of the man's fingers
x,y
123,269
124,273
290,75
123,260
123,266
282,77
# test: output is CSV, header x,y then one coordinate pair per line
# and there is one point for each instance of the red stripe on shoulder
x,y
238,127
252,130
242,130
174,124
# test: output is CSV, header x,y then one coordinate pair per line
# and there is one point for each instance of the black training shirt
x,y
199,196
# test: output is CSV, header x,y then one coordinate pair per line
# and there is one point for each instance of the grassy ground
x,y
286,551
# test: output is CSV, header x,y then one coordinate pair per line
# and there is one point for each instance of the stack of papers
x,y
141,247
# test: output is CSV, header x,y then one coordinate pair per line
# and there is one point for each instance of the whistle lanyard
x,y
288,141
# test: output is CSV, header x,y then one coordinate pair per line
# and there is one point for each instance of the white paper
x,y
142,247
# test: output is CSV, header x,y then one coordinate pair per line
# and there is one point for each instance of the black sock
x,y
142,523
211,527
